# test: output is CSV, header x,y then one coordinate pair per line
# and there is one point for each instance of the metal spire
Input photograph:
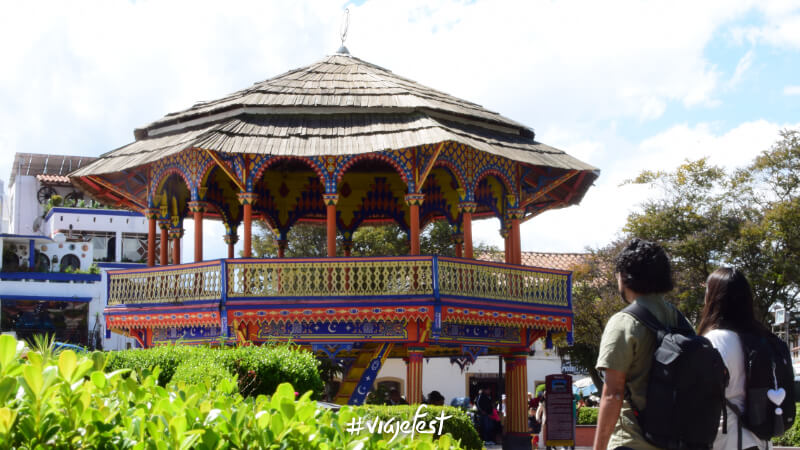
x,y
343,31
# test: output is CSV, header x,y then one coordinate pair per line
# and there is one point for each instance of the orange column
x,y
176,233
230,239
197,208
247,199
506,244
163,255
467,208
516,240
152,215
414,201
516,393
330,204
414,375
459,240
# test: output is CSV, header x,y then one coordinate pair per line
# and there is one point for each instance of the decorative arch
x,y
392,160
265,162
500,175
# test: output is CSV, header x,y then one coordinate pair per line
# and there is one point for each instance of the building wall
x,y
25,208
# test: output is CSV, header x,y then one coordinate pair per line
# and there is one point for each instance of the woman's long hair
x,y
729,304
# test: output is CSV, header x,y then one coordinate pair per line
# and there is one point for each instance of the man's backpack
x,y
686,387
769,386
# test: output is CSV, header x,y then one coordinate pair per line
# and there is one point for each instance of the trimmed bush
x,y
789,439
260,369
69,402
198,371
587,416
459,425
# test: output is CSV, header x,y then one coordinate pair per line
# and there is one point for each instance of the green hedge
x,y
259,369
587,416
70,402
792,436
459,425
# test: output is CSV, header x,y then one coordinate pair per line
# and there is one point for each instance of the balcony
x,y
439,289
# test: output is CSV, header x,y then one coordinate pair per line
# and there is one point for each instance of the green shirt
x,y
628,346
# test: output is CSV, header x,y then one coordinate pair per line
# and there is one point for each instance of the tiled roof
x,y
561,261
54,179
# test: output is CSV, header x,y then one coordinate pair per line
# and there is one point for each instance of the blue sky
x,y
625,85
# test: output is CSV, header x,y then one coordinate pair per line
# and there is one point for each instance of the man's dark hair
x,y
644,267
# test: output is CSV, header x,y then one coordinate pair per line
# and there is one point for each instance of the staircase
x,y
358,381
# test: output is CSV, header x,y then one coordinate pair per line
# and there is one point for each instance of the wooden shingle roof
x,y
340,105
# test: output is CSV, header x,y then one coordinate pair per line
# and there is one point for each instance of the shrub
x,y
71,403
200,372
789,439
587,416
260,369
459,425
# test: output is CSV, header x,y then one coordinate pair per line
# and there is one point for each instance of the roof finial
x,y
343,31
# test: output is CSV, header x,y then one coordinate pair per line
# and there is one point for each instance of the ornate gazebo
x,y
345,143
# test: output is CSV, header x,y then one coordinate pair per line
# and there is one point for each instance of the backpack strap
x,y
647,319
738,415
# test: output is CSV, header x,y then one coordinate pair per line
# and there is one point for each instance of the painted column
x,y
459,240
414,201
118,246
175,234
348,247
414,375
152,215
467,208
32,255
330,205
516,392
247,199
282,244
516,239
197,208
506,244
231,238
163,247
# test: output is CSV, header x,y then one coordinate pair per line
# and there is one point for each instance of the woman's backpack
x,y
686,387
769,386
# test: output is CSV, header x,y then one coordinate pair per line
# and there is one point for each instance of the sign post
x,y
559,422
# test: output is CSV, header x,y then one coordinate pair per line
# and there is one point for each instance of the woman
x,y
728,311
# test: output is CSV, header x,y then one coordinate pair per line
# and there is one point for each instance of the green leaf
x,y
67,361
99,379
8,351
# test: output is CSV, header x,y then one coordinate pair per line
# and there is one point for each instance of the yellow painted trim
x,y
429,167
221,164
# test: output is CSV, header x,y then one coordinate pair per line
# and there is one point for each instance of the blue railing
x,y
50,276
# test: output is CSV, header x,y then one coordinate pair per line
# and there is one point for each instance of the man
x,y
485,408
626,348
395,398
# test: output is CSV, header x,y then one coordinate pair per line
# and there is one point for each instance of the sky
x,y
623,85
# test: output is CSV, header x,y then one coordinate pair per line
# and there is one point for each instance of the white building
x,y
51,239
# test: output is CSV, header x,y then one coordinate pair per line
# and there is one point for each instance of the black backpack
x,y
768,367
686,388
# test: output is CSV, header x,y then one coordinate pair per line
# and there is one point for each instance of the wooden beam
x,y
542,192
429,167
222,165
116,191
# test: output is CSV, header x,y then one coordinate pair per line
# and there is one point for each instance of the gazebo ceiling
x,y
338,106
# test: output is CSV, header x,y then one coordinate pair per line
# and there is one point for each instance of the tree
x,y
595,298
309,240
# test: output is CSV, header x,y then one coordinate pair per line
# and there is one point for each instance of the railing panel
x,y
176,285
510,283
347,278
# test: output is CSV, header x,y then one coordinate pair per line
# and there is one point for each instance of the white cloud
x,y
742,67
780,27
791,90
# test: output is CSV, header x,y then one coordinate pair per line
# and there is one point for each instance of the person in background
x,y
395,398
435,398
728,310
485,408
541,417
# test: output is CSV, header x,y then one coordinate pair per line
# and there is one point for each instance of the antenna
x,y
343,31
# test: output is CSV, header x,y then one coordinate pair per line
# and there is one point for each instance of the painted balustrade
x,y
496,281
340,277
349,277
173,284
